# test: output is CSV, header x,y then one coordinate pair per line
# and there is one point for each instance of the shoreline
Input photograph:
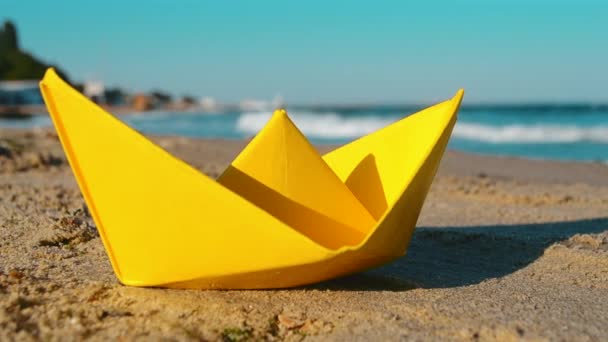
x,y
505,249
454,163
26,112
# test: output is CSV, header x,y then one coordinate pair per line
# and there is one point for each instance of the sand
x,y
505,249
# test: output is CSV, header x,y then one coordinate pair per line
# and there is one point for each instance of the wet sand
x,y
505,249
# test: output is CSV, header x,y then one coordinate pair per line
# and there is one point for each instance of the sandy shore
x,y
506,249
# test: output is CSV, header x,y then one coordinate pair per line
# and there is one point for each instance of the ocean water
x,y
561,132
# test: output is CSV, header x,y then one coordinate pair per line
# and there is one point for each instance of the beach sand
x,y
505,249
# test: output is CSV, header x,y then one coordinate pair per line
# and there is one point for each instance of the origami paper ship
x,y
281,215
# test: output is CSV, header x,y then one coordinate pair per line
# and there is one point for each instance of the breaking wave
x,y
331,125
328,125
527,134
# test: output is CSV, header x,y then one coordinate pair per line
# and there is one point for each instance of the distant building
x,y
208,104
20,93
95,91
141,102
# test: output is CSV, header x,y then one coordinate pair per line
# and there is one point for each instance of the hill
x,y
16,64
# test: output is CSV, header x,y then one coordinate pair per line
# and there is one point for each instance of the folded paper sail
x,y
281,215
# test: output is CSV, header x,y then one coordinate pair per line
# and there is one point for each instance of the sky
x,y
328,52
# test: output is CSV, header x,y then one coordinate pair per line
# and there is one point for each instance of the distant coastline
x,y
26,111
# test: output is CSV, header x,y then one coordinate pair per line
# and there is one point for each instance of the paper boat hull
x,y
165,224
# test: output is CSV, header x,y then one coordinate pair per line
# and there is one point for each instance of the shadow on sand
x,y
451,257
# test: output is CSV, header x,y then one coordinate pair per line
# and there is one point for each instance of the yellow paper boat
x,y
281,215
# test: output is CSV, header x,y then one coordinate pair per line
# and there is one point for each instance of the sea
x,y
577,132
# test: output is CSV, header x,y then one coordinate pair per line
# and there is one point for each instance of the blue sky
x,y
328,51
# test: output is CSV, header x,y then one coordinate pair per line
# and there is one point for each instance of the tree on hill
x,y
8,37
16,64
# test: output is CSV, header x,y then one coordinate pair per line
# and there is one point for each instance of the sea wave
x,y
331,125
527,134
326,125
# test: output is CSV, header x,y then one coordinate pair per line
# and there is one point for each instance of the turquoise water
x,y
572,132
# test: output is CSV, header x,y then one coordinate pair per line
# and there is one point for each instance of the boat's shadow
x,y
452,257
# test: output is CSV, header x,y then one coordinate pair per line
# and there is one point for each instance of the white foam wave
x,y
331,125
531,133
325,125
